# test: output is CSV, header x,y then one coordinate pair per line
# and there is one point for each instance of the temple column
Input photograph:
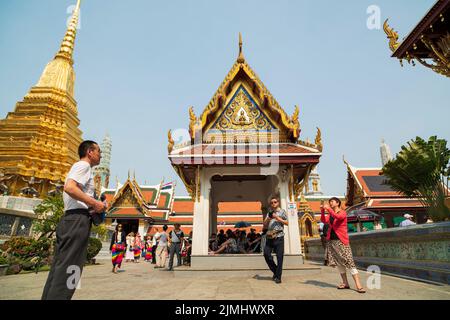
x,y
292,243
141,228
201,219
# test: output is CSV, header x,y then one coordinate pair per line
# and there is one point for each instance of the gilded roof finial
x,y
318,140
392,36
240,58
68,43
171,141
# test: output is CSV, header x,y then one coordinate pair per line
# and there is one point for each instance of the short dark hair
x,y
165,227
335,199
84,147
177,225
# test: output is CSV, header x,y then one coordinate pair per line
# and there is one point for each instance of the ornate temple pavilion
x,y
428,43
243,148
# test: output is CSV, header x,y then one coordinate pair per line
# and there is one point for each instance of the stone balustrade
x,y
420,251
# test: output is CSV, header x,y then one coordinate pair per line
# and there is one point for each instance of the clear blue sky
x,y
141,64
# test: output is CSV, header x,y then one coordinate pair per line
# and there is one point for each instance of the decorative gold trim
x,y
119,194
192,122
171,142
291,183
391,35
299,186
189,187
318,140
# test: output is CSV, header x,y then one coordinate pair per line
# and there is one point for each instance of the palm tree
x,y
421,170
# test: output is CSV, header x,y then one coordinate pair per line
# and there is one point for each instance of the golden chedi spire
x,y
59,72
240,58
39,140
68,43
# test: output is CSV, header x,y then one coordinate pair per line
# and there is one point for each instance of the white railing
x,y
19,203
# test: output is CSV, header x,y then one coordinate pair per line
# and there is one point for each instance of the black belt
x,y
84,212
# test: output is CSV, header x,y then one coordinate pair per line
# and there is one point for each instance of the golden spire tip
x,y
240,58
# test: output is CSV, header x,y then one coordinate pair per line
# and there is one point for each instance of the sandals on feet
x,y
360,290
342,286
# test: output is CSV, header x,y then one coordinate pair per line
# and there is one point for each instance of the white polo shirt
x,y
81,173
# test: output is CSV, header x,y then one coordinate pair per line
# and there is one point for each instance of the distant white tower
x,y
385,152
313,186
102,171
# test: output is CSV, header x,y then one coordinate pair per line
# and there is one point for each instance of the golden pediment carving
x,y
127,199
242,114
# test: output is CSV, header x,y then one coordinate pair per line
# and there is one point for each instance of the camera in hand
x,y
99,218
270,214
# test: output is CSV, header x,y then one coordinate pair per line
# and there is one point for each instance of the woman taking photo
x,y
274,224
117,247
338,245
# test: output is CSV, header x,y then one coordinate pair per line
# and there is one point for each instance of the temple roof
x,y
435,23
394,203
241,79
366,188
132,200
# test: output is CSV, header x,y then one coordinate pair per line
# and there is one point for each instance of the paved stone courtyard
x,y
142,281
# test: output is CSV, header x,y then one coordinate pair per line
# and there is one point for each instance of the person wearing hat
x,y
408,221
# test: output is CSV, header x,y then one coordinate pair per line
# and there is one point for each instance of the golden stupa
x,y
39,140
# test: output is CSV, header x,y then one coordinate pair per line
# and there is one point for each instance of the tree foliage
x,y
49,212
421,170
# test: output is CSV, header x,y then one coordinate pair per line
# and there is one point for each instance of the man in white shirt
x,y
72,232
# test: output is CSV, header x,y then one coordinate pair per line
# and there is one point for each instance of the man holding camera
x,y
274,224
72,232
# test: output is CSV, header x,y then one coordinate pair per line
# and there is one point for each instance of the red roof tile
x,y
394,203
241,207
183,206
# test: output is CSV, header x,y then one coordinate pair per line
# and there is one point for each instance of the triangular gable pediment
x,y
242,76
127,197
241,112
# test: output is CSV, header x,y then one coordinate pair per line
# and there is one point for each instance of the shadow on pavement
x,y
258,277
319,284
